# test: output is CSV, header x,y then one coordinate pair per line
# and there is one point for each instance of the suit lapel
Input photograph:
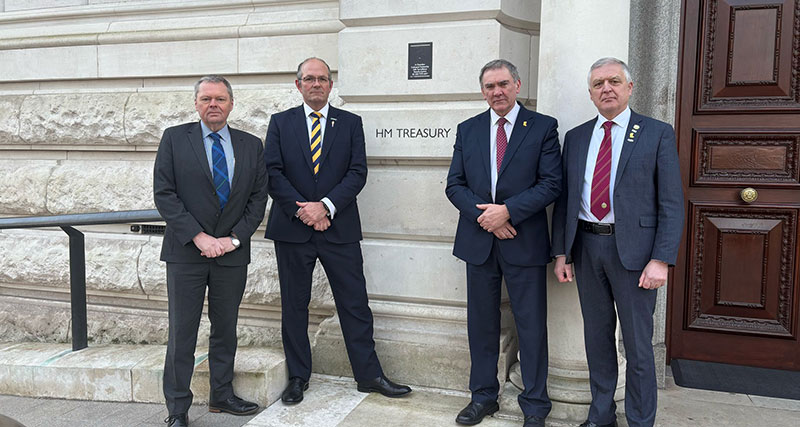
x,y
484,144
628,144
583,139
301,135
330,134
523,124
195,137
238,150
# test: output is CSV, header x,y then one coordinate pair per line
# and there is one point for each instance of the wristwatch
x,y
235,241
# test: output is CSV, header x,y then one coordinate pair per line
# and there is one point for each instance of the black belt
x,y
596,228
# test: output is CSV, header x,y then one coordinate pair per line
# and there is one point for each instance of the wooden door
x,y
735,291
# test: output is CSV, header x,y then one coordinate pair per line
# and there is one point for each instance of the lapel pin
x,y
630,139
636,126
333,121
631,135
525,124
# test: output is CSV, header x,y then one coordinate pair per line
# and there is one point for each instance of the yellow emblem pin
x,y
525,123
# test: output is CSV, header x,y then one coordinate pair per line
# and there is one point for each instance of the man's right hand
x,y
210,247
562,269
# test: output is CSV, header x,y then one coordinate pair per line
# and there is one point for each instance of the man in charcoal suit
x,y
209,185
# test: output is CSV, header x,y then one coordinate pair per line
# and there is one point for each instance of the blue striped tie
x,y
220,170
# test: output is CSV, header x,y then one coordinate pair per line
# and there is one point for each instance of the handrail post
x,y
77,284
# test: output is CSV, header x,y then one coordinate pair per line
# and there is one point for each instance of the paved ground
x,y
335,402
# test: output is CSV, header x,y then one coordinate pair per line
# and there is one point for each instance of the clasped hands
x,y
313,214
494,219
212,247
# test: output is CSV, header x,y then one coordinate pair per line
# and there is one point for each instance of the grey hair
x,y
499,63
605,61
213,78
300,67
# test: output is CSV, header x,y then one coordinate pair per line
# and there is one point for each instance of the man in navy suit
x,y
209,186
619,219
506,170
317,165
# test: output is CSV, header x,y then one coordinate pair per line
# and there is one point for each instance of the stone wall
x,y
87,88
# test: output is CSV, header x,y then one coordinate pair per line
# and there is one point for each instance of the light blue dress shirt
x,y
227,147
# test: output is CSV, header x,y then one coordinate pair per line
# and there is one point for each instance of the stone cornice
x,y
236,19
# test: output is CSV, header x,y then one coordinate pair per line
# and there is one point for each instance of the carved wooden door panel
x,y
736,289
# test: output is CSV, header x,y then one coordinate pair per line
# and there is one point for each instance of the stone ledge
x,y
128,373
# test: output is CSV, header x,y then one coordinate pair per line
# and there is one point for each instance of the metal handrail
x,y
77,254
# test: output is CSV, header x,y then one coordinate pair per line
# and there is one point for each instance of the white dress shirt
x,y
322,120
617,139
511,118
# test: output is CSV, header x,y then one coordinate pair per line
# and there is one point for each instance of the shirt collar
x,y
511,116
323,111
224,133
621,120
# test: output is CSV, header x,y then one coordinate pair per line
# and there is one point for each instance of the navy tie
x,y
220,170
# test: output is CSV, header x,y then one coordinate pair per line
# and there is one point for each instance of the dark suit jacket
x,y
342,174
183,190
648,197
529,179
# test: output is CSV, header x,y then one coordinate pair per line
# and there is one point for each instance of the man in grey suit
x,y
209,185
619,219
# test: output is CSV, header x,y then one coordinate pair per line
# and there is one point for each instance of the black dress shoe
x,y
588,423
533,421
178,420
474,412
385,387
233,405
293,393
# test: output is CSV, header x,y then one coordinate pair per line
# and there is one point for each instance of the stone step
x,y
128,373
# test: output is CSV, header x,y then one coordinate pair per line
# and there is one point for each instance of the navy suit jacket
x,y
183,191
342,174
529,179
648,197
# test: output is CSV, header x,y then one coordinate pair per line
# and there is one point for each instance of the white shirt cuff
x,y
329,204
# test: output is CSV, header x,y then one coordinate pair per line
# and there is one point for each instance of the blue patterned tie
x,y
220,170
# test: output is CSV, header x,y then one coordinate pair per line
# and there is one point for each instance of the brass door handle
x,y
749,195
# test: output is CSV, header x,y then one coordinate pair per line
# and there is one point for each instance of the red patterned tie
x,y
601,202
502,141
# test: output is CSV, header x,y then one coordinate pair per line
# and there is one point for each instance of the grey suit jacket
x,y
183,191
648,195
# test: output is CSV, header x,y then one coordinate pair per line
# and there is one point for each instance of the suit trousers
x,y
186,289
343,265
602,282
527,290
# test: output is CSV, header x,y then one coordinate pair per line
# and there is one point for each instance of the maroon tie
x,y
601,202
502,141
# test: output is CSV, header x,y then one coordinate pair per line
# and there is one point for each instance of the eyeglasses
x,y
310,80
207,99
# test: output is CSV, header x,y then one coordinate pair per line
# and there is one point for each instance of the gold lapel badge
x,y
525,124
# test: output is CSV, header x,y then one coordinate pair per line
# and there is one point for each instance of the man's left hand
x,y
493,217
311,212
654,275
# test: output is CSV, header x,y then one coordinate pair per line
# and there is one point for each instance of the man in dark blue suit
x,y
619,219
506,170
317,165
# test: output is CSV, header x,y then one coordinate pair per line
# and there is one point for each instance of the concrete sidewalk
x,y
332,401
